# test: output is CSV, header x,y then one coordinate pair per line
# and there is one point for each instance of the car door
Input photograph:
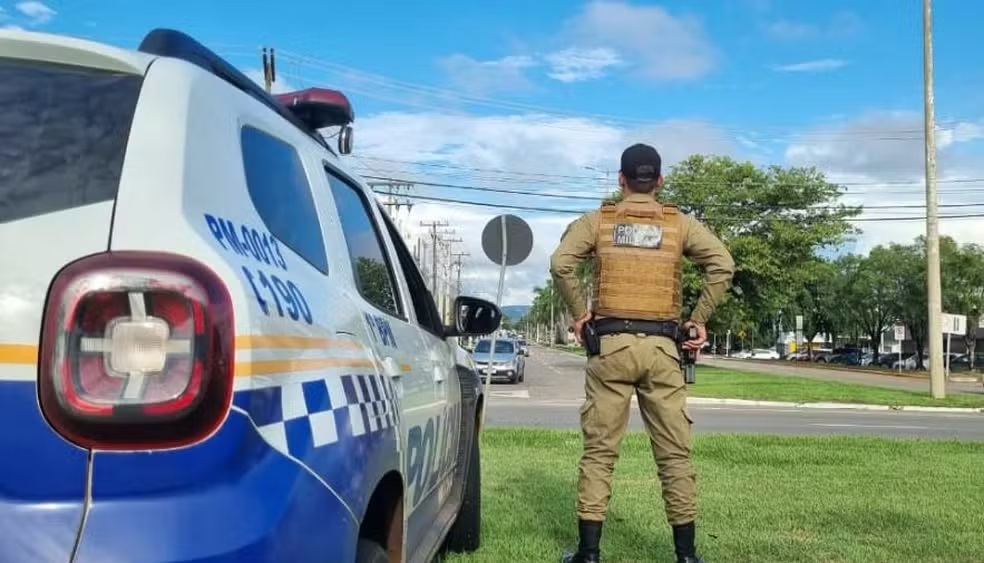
x,y
397,342
432,485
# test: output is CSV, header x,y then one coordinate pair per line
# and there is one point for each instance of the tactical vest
x,y
639,261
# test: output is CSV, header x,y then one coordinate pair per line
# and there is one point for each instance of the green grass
x,y
720,383
733,384
760,499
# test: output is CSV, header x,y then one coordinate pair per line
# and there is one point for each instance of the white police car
x,y
214,345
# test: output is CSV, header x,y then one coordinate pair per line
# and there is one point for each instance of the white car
x,y
214,345
757,354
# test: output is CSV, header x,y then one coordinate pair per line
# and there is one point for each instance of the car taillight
x,y
136,351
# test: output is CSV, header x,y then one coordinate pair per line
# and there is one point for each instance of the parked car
x,y
507,363
961,363
214,344
765,354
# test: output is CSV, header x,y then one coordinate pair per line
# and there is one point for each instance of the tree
x,y
963,286
818,287
540,310
773,219
374,280
869,295
904,268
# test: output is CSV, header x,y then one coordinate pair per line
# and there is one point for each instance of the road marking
x,y
890,426
519,394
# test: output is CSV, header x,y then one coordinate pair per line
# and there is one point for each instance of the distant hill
x,y
515,312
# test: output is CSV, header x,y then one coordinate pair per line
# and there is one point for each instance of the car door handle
x,y
392,368
438,374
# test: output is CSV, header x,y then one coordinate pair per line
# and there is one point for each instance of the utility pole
x,y
269,69
933,283
393,201
446,298
553,324
392,193
457,264
433,225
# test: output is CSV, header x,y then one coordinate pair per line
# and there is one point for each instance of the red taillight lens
x,y
136,351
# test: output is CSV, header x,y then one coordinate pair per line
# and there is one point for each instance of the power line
x,y
582,211
453,95
913,184
682,203
916,183
668,124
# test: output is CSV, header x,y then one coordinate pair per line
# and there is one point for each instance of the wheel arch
x,y
383,519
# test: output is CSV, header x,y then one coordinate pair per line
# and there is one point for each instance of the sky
x,y
541,97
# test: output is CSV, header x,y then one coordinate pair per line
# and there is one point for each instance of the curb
x,y
830,406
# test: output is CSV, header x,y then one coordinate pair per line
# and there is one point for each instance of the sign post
x,y
799,331
507,241
952,324
899,339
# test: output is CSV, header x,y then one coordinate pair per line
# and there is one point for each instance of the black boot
x,y
588,550
684,540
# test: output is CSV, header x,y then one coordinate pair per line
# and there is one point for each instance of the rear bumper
x,y
42,476
275,510
38,532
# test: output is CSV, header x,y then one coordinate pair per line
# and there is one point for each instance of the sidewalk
x,y
780,367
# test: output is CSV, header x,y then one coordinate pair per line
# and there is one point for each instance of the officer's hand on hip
x,y
695,343
579,326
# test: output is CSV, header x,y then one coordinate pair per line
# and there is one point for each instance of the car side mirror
x,y
474,317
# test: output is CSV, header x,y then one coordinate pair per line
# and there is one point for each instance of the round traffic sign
x,y
518,235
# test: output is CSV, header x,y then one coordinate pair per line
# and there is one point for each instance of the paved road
x,y
553,389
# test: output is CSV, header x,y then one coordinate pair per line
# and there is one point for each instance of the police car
x,y
214,345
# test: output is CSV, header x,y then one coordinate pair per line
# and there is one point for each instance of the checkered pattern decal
x,y
297,417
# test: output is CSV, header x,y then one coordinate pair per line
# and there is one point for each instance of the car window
x,y
64,131
373,273
279,189
501,347
423,302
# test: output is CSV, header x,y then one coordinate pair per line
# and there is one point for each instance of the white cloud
x,y
575,64
789,30
880,145
880,159
842,25
819,65
878,150
603,36
39,12
485,77
535,149
656,44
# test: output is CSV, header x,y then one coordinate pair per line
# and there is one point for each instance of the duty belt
x,y
670,329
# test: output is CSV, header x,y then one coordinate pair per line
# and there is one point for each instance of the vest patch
x,y
638,235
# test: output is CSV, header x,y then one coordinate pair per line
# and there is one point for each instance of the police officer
x,y
638,245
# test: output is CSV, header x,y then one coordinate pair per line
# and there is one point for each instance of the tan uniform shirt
x,y
699,244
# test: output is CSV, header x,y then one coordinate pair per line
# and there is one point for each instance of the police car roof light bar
x,y
137,352
172,43
318,107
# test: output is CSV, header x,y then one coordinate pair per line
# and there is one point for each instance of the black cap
x,y
641,162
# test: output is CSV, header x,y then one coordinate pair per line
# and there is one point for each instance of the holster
x,y
688,358
591,339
